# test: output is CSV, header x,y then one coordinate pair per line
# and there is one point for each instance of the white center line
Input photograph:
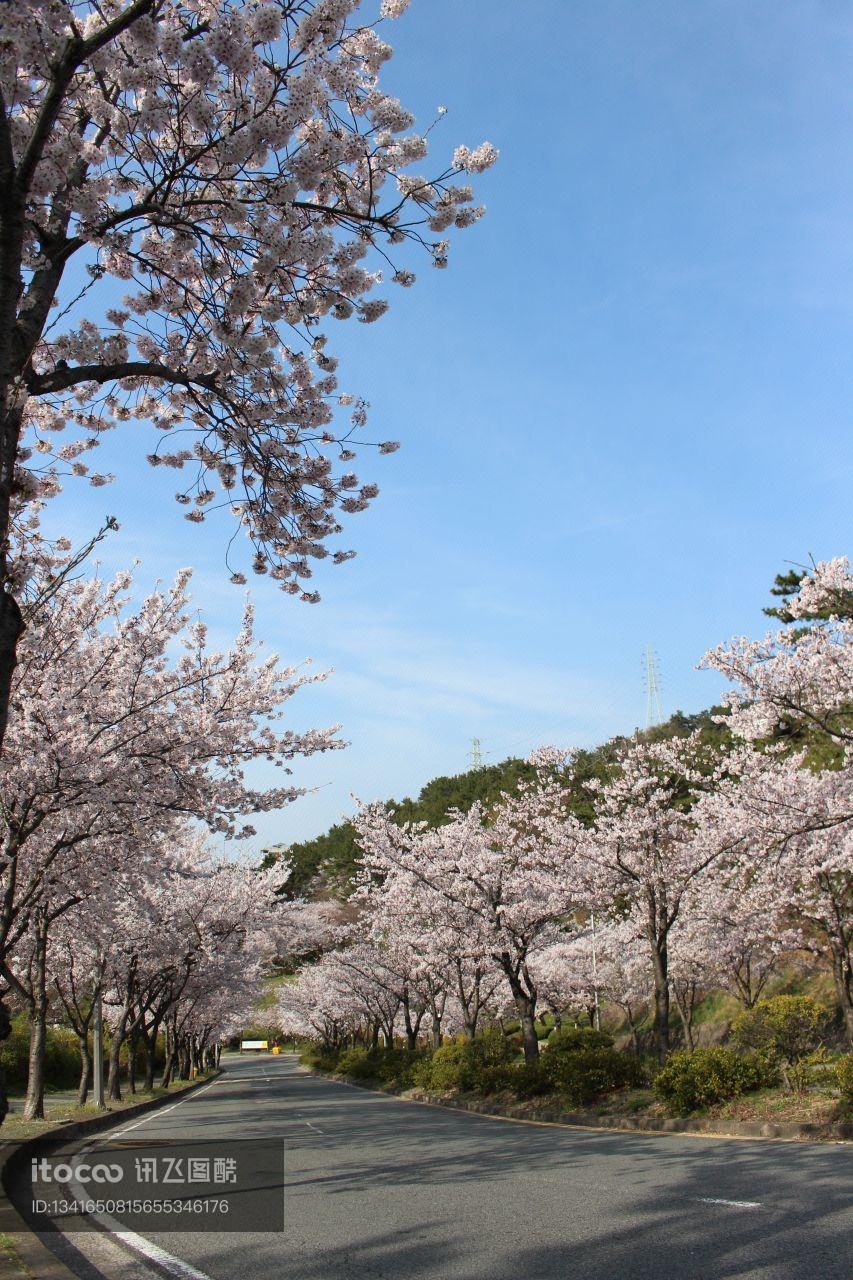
x,y
160,1111
734,1204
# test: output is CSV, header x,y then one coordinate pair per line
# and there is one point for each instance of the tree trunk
x,y
113,1082
529,1038
11,621
659,963
131,1062
842,973
5,1032
34,1103
412,1028
85,1069
685,1000
11,629
150,1055
525,1003
469,1002
169,1064
437,1005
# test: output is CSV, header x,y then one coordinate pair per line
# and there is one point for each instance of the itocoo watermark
x,y
44,1170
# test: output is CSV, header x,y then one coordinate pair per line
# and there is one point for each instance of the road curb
x,y
34,1254
790,1132
840,1131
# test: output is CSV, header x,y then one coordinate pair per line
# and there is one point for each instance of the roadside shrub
x,y
14,1052
490,1057
394,1067
690,1080
483,1065
789,1027
530,1080
319,1058
356,1063
576,1039
448,1068
581,1075
844,1075
397,1067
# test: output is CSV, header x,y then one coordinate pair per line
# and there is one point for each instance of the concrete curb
x,y
34,1254
840,1131
789,1132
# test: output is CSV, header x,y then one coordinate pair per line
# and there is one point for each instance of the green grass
x,y
14,1127
272,983
13,1265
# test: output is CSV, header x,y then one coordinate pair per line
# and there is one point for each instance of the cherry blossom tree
x,y
124,722
600,965
649,846
330,1002
76,961
801,674
801,677
235,166
798,824
218,916
511,878
735,927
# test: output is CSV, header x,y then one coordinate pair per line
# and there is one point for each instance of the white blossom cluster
x,y
238,166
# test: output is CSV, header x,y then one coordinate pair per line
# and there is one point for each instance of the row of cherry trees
x,y
190,192
131,740
699,868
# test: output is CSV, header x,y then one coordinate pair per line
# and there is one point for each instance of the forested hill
x,y
327,862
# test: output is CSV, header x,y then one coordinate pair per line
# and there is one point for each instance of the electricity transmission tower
x,y
476,754
654,711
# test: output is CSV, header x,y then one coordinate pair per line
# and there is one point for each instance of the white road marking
x,y
313,1126
162,1111
152,1252
733,1204
146,1248
174,1266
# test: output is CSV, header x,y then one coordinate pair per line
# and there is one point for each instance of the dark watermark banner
x,y
204,1185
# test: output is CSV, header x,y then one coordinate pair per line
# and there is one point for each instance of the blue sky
x,y
623,408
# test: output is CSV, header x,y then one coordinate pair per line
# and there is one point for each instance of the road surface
x,y
379,1188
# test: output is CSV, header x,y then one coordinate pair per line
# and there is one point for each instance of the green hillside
x,y
327,863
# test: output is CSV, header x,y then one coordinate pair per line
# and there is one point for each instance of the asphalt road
x,y
375,1187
